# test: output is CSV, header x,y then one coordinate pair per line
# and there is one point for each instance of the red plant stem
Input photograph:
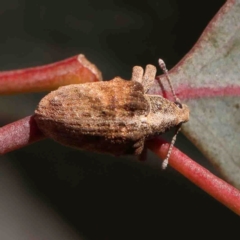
x,y
214,186
19,134
76,69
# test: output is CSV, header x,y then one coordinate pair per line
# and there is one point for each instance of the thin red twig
x,y
19,134
76,69
214,186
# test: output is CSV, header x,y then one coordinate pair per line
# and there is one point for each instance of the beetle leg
x,y
145,79
149,77
137,74
139,145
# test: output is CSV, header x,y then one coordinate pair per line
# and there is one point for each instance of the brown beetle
x,y
115,116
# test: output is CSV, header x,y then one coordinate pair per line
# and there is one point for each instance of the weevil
x,y
115,116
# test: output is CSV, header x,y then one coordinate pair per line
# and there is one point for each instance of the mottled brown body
x,y
113,116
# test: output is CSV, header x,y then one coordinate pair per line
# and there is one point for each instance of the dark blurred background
x,y
48,191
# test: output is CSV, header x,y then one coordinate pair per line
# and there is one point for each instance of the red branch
x,y
76,69
19,134
214,186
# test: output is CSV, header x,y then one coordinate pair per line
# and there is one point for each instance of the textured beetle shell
x,y
113,116
102,116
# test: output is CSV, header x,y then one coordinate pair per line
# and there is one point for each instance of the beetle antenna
x,y
165,71
165,161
